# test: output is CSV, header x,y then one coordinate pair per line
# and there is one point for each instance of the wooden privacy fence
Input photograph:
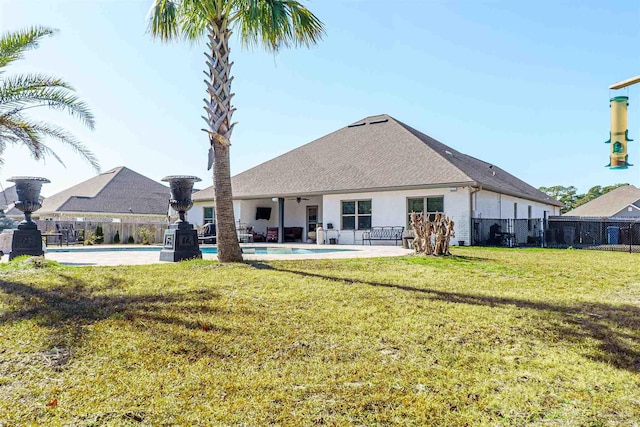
x,y
78,231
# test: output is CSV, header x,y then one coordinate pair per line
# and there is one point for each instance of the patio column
x,y
281,220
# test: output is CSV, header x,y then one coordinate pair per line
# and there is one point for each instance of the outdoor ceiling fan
x,y
298,199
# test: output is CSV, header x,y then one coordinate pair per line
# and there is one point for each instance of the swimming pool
x,y
248,250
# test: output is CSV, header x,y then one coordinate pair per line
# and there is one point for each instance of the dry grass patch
x,y
486,337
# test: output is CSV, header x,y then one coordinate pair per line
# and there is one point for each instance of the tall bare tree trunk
x,y
219,113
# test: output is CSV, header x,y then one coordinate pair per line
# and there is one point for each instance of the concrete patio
x,y
87,255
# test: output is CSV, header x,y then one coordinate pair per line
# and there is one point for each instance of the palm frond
x,y
30,91
65,137
276,23
14,44
194,18
27,91
163,19
17,130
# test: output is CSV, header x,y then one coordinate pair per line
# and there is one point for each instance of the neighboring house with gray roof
x,y
120,200
8,197
623,202
117,193
374,172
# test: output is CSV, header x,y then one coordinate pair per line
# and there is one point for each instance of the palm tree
x,y
20,93
269,23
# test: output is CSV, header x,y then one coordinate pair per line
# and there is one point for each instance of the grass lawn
x,y
485,337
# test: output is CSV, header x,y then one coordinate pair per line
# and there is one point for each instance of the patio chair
x,y
272,234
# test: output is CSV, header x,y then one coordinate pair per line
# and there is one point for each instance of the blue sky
x,y
523,85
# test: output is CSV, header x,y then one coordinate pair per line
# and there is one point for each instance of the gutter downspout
x,y
474,190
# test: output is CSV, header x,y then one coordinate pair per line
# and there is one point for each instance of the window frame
x,y
356,215
205,217
425,205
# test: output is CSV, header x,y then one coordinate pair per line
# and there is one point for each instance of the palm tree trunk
x,y
227,238
219,113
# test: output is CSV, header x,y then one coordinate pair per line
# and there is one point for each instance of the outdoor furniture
x,y
332,236
255,236
245,238
407,239
272,234
54,237
207,233
291,234
383,233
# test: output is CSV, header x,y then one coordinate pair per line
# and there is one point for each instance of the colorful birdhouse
x,y
619,135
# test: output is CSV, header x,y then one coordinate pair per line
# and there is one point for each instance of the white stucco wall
x,y
488,204
389,208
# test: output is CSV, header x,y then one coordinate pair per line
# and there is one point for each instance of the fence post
x,y
545,224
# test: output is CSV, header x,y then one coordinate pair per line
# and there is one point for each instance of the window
x,y
208,216
433,205
356,215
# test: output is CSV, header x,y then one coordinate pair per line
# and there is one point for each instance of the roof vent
x,y
378,121
357,124
448,152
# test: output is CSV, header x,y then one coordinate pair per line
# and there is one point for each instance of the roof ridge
x,y
301,147
106,184
409,129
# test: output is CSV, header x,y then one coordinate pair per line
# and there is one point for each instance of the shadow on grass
x,y
613,327
67,309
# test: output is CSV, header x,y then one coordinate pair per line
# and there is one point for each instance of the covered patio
x,y
278,219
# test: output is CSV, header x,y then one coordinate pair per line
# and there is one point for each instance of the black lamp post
x,y
180,239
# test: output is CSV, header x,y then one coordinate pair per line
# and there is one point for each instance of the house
x,y
623,202
118,196
374,172
610,220
8,197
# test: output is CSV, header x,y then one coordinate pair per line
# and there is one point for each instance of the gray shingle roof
x,y
608,204
117,191
373,154
7,197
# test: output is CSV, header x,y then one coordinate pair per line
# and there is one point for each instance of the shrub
x,y
146,236
131,240
89,238
99,236
116,238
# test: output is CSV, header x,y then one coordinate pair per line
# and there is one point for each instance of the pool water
x,y
272,250
247,250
